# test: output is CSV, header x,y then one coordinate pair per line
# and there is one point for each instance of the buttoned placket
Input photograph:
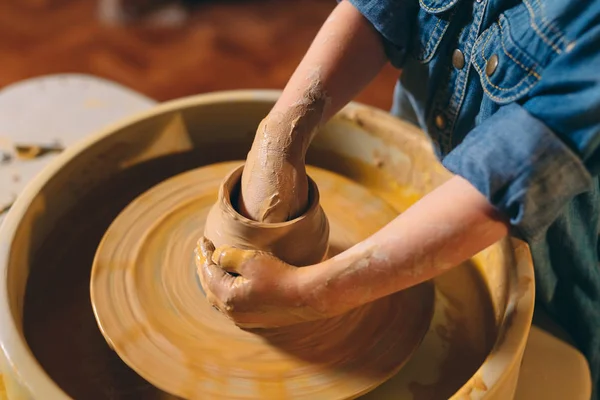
x,y
445,115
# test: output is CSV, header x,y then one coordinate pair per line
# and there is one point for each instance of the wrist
x,y
274,139
291,125
313,290
319,290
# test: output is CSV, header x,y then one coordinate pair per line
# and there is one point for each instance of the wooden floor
x,y
221,45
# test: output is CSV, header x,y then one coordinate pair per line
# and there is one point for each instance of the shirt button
x,y
440,121
491,65
458,59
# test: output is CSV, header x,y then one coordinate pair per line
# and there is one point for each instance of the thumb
x,y
233,259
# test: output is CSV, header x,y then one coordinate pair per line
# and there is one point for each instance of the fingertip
x,y
214,280
212,271
231,259
205,245
223,254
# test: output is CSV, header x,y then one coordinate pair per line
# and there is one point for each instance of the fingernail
x,y
206,245
220,254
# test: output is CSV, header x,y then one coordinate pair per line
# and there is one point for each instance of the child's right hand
x,y
344,57
274,181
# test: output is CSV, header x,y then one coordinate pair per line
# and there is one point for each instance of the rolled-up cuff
x,y
392,19
523,168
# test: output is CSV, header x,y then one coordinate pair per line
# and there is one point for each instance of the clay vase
x,y
300,242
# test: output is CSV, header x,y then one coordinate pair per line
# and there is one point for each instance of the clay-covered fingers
x,y
233,259
206,268
204,250
218,285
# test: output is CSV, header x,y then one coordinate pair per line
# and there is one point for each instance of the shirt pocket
x,y
507,70
433,19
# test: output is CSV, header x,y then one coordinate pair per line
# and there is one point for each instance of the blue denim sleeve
x,y
393,20
521,167
530,159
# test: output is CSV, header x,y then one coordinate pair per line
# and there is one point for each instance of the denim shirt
x,y
509,92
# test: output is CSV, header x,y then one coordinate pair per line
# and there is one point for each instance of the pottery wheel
x,y
151,309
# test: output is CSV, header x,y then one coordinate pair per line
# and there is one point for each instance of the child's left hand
x,y
254,288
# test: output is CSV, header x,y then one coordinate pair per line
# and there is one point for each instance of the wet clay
x,y
301,241
61,330
152,312
31,151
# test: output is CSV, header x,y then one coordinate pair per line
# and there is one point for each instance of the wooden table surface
x,y
221,45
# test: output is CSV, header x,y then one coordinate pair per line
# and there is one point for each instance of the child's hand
x,y
344,57
274,182
253,288
274,187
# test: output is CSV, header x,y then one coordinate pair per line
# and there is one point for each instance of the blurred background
x,y
167,49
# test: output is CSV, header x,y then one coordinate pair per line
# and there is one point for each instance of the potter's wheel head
x,y
150,307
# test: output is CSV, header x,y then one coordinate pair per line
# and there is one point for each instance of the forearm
x,y
442,230
344,57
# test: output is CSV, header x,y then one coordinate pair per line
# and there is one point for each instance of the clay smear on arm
x,y
345,56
